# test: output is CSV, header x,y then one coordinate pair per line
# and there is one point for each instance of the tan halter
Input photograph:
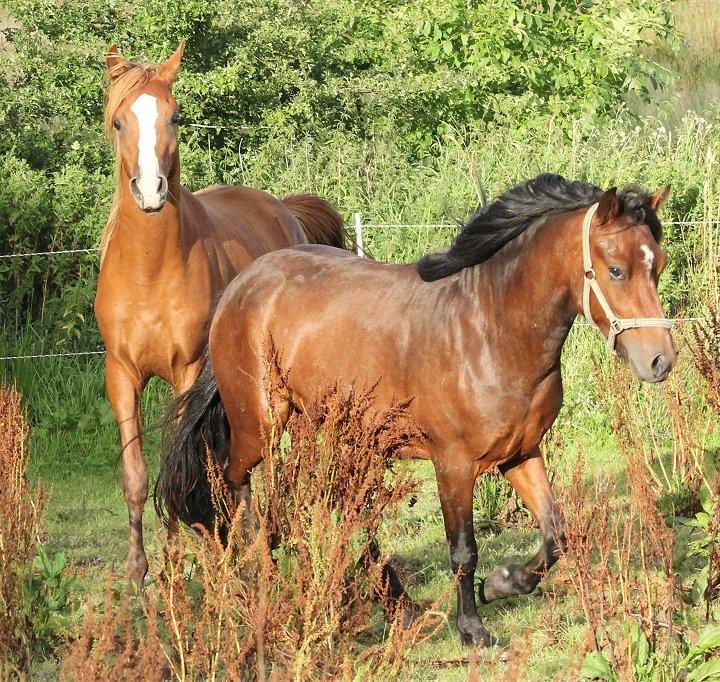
x,y
617,324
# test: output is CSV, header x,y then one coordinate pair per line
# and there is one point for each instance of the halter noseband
x,y
617,324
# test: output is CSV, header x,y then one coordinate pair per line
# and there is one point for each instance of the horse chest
x,y
154,338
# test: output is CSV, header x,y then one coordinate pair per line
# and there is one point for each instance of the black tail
x,y
195,425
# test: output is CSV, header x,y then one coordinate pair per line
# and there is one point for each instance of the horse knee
x,y
135,488
463,554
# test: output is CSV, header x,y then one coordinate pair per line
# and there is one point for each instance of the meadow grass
x,y
697,63
74,454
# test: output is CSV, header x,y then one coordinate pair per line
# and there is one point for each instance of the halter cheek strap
x,y
617,324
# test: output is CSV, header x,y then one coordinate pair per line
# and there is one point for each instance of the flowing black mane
x,y
498,223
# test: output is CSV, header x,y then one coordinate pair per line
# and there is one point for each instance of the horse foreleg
x,y
530,480
455,486
124,395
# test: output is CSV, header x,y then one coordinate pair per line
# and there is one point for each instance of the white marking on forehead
x,y
649,255
145,110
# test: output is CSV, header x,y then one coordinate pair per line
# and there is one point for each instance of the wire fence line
x,y
358,226
52,355
86,353
48,253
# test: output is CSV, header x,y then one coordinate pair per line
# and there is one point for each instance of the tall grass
x,y
20,513
295,602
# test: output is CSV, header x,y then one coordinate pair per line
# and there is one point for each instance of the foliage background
x,y
346,98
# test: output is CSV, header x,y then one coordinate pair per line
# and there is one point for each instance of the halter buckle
x,y
616,325
590,274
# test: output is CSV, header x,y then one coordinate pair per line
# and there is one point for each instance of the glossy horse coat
x,y
471,336
168,253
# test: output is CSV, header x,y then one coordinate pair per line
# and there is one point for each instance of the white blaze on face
x,y
145,110
649,256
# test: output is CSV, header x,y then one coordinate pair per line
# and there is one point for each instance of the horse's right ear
x,y
608,206
114,62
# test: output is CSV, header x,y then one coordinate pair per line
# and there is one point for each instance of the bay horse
x,y
166,254
471,337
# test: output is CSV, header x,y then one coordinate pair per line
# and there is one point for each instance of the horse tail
x,y
196,426
321,223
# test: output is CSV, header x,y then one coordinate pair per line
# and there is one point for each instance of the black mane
x,y
498,223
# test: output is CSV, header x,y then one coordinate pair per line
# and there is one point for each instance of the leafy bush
x,y
325,74
279,65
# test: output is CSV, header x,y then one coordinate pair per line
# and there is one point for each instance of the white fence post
x,y
359,237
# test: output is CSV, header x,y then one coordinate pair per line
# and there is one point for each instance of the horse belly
x,y
497,428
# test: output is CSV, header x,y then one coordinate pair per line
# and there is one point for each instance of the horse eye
x,y
116,124
175,119
615,272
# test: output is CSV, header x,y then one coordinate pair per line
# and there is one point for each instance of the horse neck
x,y
149,243
526,293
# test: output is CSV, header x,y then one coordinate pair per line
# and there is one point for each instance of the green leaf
x,y
708,641
285,443
709,670
597,667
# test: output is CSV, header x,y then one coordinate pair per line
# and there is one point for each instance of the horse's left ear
x,y
608,206
169,70
658,198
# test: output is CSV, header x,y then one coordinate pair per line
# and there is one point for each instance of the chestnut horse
x,y
471,336
166,254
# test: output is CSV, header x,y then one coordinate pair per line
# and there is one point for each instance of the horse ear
x,y
114,62
608,206
169,70
659,198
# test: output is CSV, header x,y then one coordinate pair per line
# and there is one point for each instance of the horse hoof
x,y
475,634
509,581
410,613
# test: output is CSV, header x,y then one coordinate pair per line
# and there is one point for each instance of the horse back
x,y
246,221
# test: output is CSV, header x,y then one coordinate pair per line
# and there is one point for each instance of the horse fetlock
x,y
137,568
509,581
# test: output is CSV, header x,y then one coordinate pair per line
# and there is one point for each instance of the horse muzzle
x,y
652,364
149,195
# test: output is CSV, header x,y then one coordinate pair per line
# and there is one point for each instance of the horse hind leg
x,y
529,479
391,591
251,431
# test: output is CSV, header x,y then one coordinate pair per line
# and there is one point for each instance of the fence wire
x,y
447,226
36,356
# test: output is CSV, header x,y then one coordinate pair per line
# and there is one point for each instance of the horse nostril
x,y
659,365
162,185
134,187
